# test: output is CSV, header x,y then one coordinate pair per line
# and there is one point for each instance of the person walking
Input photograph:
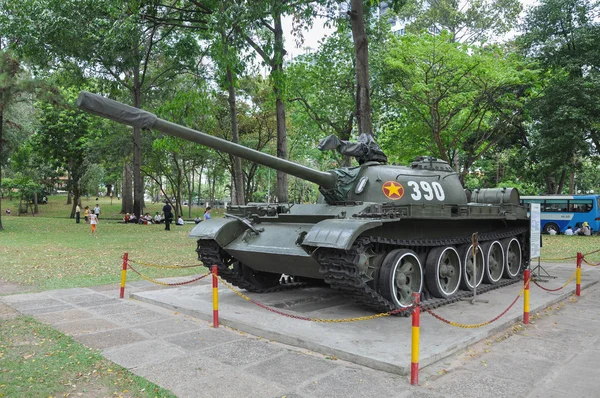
x,y
93,222
97,211
168,214
77,214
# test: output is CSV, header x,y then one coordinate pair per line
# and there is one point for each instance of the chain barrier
x,y
167,284
557,289
319,320
165,266
478,325
590,264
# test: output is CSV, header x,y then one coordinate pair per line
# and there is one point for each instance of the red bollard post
x,y
215,285
526,277
578,273
124,274
416,322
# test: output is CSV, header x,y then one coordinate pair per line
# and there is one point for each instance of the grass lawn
x,y
561,246
51,251
38,361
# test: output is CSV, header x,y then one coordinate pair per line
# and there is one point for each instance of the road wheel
x,y
469,272
443,271
514,257
400,276
494,261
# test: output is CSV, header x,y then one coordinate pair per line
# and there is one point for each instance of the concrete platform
x,y
383,343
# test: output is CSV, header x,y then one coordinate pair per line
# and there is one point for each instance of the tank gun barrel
x,y
125,114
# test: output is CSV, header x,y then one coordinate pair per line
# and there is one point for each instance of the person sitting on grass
x,y
585,230
569,231
133,218
179,221
157,218
7,211
126,218
197,220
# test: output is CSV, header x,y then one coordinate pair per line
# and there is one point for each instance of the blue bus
x,y
561,211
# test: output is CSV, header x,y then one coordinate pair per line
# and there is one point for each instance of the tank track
x,y
341,272
209,252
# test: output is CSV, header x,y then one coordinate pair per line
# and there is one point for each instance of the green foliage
x,y
562,36
471,22
63,137
322,88
451,100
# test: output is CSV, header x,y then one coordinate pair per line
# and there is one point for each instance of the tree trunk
x,y
35,203
361,50
190,192
69,187
76,200
572,183
126,203
213,183
237,177
561,183
138,184
200,184
277,75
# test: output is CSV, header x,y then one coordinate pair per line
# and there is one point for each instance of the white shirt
x,y
569,231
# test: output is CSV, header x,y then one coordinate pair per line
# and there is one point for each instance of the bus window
x,y
581,205
553,205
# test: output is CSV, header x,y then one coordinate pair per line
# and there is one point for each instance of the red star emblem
x,y
393,190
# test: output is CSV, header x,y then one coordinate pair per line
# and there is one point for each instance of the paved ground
x,y
382,344
556,356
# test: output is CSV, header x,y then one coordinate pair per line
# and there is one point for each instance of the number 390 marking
x,y
426,190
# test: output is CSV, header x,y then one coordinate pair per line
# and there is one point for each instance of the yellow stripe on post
x,y
526,277
124,274
414,356
215,285
415,344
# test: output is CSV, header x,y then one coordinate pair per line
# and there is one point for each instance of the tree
x,y
129,44
561,35
62,137
361,49
466,22
459,101
15,85
266,38
322,88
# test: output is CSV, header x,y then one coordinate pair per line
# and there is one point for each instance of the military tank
x,y
378,232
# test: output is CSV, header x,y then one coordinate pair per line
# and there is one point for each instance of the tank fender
x,y
222,230
338,234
